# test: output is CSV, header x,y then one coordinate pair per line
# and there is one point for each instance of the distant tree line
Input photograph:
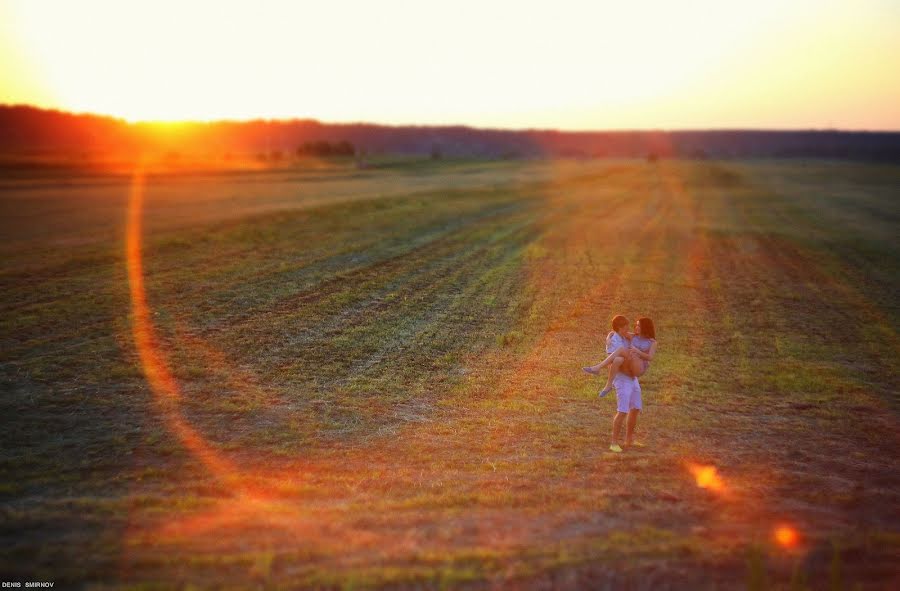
x,y
25,129
323,148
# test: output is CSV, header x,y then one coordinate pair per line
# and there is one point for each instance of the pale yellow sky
x,y
563,64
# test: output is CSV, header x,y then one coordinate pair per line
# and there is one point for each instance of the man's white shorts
x,y
628,393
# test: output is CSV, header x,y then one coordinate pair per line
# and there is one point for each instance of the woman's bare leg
x,y
620,352
613,370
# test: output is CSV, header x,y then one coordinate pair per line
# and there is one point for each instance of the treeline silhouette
x,y
325,149
27,129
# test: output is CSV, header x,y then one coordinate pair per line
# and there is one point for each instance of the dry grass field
x,y
340,378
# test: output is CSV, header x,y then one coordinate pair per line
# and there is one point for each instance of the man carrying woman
x,y
628,357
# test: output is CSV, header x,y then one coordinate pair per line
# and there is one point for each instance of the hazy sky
x,y
565,64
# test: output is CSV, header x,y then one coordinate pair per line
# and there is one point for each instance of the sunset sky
x,y
512,64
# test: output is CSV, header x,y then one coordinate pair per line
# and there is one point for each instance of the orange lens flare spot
x,y
786,536
707,477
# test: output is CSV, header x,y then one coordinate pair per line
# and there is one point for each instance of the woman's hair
x,y
618,322
647,330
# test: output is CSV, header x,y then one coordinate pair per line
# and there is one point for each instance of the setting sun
x,y
575,65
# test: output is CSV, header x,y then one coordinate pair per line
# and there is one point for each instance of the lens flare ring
x,y
166,392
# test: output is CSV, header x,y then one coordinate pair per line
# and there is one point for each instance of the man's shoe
x,y
593,372
615,448
604,392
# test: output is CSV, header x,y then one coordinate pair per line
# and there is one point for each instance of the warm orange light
x,y
254,499
786,536
154,362
707,477
624,65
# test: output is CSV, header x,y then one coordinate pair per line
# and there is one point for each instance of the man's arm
x,y
649,354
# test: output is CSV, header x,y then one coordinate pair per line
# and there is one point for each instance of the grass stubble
x,y
390,359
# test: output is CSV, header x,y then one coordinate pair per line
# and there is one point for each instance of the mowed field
x,y
339,378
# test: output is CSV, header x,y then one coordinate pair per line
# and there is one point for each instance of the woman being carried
x,y
632,354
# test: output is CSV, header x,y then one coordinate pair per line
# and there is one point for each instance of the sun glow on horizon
x,y
576,65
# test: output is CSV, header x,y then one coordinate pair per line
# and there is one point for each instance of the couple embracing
x,y
628,357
